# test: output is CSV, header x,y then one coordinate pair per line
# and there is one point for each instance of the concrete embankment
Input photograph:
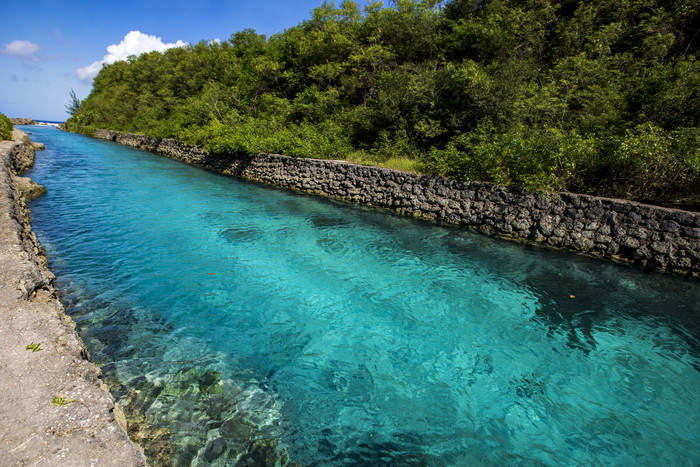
x,y
651,236
54,409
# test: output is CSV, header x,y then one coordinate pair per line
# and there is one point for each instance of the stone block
x,y
670,226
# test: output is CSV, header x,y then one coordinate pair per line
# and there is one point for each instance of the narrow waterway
x,y
246,319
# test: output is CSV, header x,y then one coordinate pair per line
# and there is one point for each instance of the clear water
x,y
343,335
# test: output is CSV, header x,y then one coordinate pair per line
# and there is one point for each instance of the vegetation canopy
x,y
599,97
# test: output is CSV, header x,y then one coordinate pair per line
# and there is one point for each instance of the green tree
x,y
73,106
598,96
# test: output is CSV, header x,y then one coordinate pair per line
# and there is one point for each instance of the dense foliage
x,y
5,127
597,96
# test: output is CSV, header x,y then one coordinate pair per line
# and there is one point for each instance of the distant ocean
x,y
48,122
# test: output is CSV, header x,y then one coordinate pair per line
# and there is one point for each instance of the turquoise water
x,y
331,334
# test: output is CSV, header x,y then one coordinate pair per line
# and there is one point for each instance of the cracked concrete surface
x,y
54,409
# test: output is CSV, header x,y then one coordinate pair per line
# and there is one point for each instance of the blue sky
x,y
43,44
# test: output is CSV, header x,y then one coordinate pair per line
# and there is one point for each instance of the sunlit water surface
x,y
342,335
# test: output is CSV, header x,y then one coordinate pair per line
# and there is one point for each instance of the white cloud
x,y
134,43
27,51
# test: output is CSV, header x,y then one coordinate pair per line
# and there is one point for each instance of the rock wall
x,y
54,409
23,121
22,155
657,237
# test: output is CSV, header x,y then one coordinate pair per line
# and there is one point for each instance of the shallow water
x,y
250,319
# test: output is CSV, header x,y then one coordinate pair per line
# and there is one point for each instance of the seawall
x,y
625,231
54,409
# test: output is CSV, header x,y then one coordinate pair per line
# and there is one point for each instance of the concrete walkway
x,y
54,410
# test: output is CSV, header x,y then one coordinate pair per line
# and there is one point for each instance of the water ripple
x,y
253,320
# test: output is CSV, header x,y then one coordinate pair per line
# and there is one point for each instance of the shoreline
x,y
55,408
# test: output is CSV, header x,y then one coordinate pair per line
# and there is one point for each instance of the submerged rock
x,y
193,416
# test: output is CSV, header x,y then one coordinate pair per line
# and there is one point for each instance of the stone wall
x,y
667,239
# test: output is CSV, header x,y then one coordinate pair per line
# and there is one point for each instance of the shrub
x,y
538,159
5,128
81,123
649,164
